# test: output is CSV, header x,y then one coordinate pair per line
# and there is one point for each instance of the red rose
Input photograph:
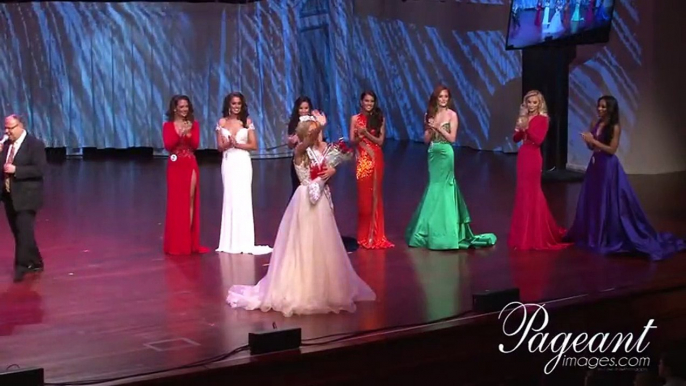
x,y
343,146
315,170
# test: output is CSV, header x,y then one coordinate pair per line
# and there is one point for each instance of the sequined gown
x,y
309,271
371,228
181,232
442,221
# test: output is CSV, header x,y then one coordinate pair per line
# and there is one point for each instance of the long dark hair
x,y
375,118
611,118
243,114
173,102
295,113
432,106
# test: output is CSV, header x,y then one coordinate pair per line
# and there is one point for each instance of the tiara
x,y
305,118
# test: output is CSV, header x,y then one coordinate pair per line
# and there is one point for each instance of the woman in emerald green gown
x,y
441,221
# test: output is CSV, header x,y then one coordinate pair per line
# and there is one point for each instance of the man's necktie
x,y
10,159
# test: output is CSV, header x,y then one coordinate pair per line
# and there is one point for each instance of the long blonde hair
x,y
302,131
523,117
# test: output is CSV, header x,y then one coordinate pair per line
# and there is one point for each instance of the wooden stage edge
x,y
466,347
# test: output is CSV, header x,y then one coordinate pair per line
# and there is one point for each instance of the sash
x,y
317,187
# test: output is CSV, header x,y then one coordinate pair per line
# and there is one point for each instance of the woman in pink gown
x,y
532,226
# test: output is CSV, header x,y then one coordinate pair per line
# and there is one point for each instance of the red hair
x,y
432,107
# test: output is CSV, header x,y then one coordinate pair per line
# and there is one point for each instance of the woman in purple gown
x,y
609,218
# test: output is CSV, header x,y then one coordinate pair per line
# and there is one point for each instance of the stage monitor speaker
x,y
265,342
31,376
489,301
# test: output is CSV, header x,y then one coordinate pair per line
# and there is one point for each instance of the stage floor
x,y
110,304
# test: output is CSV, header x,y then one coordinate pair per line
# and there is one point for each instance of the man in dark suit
x,y
22,193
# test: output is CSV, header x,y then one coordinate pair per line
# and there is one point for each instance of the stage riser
x,y
467,350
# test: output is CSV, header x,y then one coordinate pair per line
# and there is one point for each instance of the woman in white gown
x,y
235,139
309,271
546,14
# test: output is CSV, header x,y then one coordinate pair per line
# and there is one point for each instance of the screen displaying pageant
x,y
559,22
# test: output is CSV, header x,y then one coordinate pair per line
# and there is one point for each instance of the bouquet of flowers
x,y
338,152
335,154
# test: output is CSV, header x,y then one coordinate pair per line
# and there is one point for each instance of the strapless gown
x,y
442,220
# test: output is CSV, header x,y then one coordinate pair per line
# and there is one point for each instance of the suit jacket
x,y
26,184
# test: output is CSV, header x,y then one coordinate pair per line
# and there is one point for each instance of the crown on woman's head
x,y
304,118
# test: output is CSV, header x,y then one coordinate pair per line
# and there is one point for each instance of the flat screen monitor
x,y
546,23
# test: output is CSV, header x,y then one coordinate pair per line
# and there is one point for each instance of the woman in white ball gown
x,y
310,271
235,139
555,27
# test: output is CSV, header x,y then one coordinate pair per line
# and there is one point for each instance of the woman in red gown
x,y
533,226
368,130
539,8
181,135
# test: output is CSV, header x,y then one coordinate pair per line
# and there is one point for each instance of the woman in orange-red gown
x,y
368,130
533,226
181,136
